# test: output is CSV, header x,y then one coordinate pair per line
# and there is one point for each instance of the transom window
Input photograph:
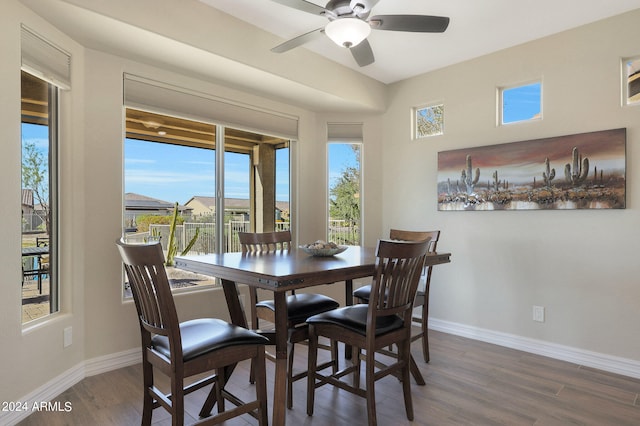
x,y
631,80
429,121
520,103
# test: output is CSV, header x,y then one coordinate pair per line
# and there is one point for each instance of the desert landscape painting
x,y
582,171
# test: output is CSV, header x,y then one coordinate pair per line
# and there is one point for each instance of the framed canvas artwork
x,y
582,171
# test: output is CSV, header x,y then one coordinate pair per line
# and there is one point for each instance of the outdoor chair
x,y
384,321
194,347
422,295
299,306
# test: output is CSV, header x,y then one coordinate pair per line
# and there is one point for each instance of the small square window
x,y
631,80
429,121
521,103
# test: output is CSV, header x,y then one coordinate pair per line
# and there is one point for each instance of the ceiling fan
x,y
349,25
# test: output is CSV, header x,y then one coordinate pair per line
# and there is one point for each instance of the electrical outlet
x,y
68,336
538,313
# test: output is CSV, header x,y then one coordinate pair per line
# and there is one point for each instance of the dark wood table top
x,y
289,269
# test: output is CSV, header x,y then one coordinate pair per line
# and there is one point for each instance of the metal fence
x,y
340,232
206,235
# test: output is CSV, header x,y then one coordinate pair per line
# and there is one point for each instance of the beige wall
x,y
580,265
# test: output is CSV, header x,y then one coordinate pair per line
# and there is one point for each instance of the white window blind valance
x,y
154,96
344,132
45,60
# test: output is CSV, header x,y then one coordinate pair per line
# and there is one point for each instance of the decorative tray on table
x,y
322,248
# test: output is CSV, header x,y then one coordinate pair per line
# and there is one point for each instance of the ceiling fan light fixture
x,y
347,32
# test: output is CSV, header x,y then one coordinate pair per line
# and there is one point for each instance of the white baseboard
x,y
613,364
64,381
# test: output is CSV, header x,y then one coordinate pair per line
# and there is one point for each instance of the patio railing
x,y
340,232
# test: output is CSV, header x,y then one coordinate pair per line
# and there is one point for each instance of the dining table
x,y
280,272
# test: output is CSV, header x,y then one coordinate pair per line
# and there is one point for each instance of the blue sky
x,y
521,103
175,173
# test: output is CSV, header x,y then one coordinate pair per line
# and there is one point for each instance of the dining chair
x,y
299,306
384,321
422,295
182,350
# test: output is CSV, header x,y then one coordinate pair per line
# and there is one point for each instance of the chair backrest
x,y
255,242
395,281
144,265
433,236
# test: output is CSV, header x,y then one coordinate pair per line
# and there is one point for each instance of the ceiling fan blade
x,y
302,5
362,53
298,41
411,23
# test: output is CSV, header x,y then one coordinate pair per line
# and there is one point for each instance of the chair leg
x,y
311,370
334,356
425,328
219,387
355,358
177,401
370,383
147,401
404,351
261,386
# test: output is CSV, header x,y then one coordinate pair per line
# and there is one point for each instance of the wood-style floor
x,y
468,382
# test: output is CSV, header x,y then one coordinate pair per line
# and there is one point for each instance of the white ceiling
x,y
477,27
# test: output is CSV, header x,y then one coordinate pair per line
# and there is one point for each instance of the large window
x,y
39,198
345,190
173,162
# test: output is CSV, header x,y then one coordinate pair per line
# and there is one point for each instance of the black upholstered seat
x,y
300,306
204,335
354,318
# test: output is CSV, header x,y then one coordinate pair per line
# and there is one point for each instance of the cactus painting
x,y
548,175
469,181
576,175
594,174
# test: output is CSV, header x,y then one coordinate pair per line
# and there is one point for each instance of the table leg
x,y
233,303
280,385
